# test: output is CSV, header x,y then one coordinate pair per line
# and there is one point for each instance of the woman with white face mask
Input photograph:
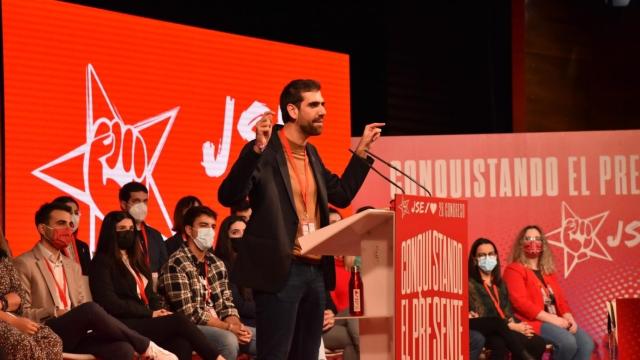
x,y
490,310
537,297
120,282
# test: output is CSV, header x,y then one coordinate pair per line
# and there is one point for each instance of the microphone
x,y
377,172
398,170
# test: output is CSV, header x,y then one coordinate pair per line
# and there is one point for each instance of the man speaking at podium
x,y
289,190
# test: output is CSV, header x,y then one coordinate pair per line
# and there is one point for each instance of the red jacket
x,y
525,293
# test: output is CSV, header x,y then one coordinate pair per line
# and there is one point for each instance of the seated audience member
x,y
229,238
489,300
195,283
340,295
242,209
120,283
185,203
4,244
476,344
56,295
134,197
21,338
340,334
78,250
345,333
538,299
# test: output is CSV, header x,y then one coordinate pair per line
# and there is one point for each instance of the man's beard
x,y
310,128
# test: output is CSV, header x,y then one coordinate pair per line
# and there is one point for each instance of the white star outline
x,y
571,257
404,207
117,173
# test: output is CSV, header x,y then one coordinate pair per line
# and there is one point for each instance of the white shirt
x,y
55,262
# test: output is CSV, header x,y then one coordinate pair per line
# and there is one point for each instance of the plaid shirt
x,y
181,286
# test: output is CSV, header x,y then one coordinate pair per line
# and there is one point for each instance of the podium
x,y
368,234
624,333
399,318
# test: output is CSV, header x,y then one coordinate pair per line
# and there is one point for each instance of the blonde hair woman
x,y
537,298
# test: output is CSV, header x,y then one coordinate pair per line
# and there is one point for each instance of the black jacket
x,y
265,253
84,255
117,292
157,250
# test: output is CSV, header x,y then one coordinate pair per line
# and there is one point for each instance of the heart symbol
x,y
433,207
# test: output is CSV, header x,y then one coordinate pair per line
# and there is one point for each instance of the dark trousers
x,y
501,340
476,343
176,334
289,322
109,338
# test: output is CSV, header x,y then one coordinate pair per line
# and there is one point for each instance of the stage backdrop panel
x,y
95,99
582,188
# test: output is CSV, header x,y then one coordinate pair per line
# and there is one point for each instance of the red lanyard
x,y
62,290
75,250
206,282
543,286
146,243
140,283
288,153
496,299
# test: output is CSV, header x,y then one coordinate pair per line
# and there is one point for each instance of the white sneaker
x,y
155,352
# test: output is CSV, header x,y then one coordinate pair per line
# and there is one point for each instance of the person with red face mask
x,y
56,295
537,298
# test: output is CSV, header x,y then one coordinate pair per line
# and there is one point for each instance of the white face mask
x,y
75,220
204,240
139,211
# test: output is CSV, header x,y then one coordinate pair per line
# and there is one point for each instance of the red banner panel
x,y
627,330
582,188
95,99
431,303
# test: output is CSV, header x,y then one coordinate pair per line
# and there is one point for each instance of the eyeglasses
x,y
533,238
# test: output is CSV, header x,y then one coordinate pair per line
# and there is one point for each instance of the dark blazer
x,y
113,287
84,256
173,243
265,253
157,250
246,307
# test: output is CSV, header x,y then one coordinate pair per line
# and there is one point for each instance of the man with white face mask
x,y
195,282
134,198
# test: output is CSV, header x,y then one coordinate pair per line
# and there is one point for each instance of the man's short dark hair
x,y
128,188
193,213
366,207
44,212
64,199
292,94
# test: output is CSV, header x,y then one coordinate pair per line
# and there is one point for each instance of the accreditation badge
x,y
308,227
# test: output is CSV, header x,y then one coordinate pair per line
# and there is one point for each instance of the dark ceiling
x,y
441,68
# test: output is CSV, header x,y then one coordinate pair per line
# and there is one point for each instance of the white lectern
x,y
368,234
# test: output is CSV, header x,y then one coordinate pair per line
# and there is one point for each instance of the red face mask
x,y
61,238
532,249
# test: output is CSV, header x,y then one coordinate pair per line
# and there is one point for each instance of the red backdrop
x,y
95,99
582,188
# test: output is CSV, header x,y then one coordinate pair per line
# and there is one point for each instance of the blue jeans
x,y
226,342
568,346
476,343
290,321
